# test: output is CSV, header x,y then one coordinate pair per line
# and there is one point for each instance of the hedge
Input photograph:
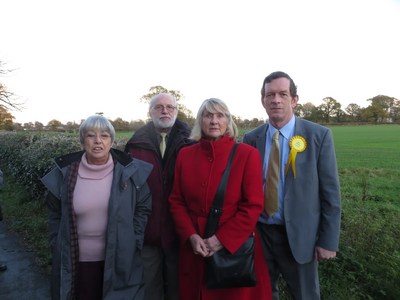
x,y
29,156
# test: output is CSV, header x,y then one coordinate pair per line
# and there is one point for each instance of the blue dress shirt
x,y
287,132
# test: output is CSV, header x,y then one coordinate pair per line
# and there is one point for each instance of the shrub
x,y
30,155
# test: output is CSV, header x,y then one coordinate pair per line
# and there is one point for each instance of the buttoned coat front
x,y
198,172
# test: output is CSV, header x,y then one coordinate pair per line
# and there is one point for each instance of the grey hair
x,y
156,97
213,105
96,122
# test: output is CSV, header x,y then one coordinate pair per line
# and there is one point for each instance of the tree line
x,y
382,109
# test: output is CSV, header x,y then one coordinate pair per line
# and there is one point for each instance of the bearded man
x,y
159,143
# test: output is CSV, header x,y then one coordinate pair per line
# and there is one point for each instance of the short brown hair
x,y
276,75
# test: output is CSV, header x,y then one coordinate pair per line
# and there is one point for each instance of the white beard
x,y
161,124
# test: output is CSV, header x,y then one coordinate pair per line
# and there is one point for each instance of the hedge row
x,y
29,156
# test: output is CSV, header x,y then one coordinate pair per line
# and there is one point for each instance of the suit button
x,y
204,183
210,159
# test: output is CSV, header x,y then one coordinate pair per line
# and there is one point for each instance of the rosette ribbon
x,y
297,144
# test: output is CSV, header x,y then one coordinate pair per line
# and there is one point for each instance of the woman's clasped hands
x,y
206,247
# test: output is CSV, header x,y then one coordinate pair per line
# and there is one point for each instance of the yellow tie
x,y
271,193
163,145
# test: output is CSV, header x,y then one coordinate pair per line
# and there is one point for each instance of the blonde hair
x,y
214,106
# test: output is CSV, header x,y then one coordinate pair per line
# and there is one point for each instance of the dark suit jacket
x,y
312,204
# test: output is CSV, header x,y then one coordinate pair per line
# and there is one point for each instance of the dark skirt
x,y
89,284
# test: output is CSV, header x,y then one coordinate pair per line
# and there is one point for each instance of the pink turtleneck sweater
x,y
91,196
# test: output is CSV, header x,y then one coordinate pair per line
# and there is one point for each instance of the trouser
x,y
90,280
302,279
160,266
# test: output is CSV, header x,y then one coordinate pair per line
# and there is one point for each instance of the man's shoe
x,y
3,267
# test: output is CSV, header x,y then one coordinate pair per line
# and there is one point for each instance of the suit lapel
x,y
299,130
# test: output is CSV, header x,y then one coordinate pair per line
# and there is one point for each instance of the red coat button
x,y
204,183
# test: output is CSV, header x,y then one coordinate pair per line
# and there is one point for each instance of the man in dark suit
x,y
305,226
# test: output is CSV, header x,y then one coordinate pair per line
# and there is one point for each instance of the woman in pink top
x,y
98,204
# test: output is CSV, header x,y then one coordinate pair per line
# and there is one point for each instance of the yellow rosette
x,y
298,144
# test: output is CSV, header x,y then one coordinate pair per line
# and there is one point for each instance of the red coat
x,y
198,171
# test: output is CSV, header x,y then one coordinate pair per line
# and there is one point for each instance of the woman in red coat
x,y
198,172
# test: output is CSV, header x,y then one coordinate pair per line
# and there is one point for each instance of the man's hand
x,y
213,245
198,245
321,254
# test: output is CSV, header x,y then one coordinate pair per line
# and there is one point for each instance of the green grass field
x,y
124,134
367,146
369,154
368,262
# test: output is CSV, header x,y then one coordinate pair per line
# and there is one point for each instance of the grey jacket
x,y
129,206
312,202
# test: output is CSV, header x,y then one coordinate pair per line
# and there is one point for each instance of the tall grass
x,y
368,261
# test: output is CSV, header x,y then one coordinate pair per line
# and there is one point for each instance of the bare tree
x,y
8,99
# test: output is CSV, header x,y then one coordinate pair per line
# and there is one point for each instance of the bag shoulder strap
x,y
220,194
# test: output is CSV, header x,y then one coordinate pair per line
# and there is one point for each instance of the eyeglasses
x,y
92,136
160,108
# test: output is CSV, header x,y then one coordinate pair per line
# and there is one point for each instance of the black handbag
x,y
226,270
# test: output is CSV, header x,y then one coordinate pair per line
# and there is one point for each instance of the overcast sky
x,y
76,58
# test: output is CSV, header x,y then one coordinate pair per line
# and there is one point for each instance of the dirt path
x,y
22,279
